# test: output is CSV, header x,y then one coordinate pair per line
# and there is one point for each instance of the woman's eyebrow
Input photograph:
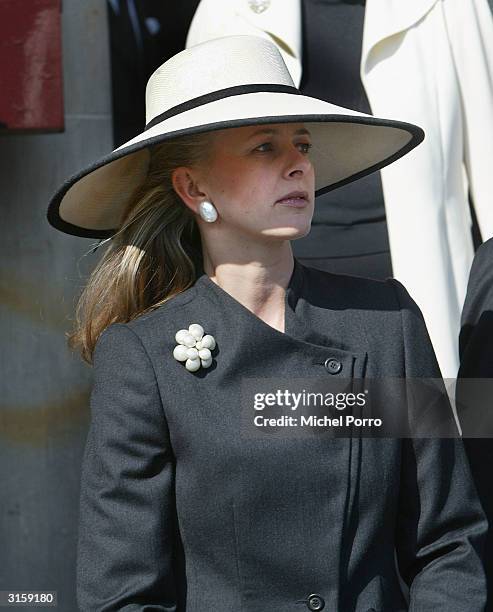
x,y
302,132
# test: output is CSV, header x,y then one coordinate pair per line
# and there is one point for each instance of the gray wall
x,y
44,387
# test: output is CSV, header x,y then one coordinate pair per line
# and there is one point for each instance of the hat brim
x,y
347,145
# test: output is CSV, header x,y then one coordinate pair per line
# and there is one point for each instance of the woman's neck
x,y
259,284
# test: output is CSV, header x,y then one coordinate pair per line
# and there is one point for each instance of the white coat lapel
x,y
384,18
281,20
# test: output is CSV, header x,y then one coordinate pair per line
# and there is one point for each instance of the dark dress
x,y
349,229
181,510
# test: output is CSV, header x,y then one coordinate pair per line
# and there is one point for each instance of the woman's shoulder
x,y
393,323
355,292
144,326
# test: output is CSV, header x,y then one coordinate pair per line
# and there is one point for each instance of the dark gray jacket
x,y
181,512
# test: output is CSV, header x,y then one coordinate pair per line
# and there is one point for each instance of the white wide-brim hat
x,y
225,83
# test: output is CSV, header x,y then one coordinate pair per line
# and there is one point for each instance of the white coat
x,y
429,62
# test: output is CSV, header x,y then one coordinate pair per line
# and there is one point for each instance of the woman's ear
x,y
185,185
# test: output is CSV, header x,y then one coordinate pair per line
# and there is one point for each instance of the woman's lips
x,y
294,200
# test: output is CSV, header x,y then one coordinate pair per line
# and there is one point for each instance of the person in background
x,y
476,362
143,34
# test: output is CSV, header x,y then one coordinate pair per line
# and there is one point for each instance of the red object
x,y
31,92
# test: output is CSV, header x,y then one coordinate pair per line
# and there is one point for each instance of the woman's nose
x,y
298,163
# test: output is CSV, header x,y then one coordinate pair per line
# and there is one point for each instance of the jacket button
x,y
315,602
333,366
259,6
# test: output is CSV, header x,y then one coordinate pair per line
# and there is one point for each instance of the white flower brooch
x,y
194,348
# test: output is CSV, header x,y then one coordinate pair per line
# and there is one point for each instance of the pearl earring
x,y
207,211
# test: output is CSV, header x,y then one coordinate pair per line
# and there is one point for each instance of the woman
x,y
183,506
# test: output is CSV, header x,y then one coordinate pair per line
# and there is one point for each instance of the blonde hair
x,y
154,255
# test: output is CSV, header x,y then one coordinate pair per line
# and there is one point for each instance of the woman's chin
x,y
289,232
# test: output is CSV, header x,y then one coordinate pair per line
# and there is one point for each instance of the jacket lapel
x,y
281,21
385,18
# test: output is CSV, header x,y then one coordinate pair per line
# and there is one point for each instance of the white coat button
x,y
258,6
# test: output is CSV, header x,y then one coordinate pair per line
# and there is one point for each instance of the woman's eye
x,y
305,146
266,146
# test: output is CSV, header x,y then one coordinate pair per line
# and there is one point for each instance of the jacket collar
x,y
281,22
312,319
295,287
385,18
293,290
